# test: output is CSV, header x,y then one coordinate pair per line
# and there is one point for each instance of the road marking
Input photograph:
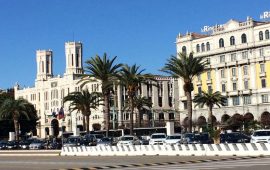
x,y
182,165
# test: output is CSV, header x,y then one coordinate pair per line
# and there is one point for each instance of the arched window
x,y
208,46
198,48
244,38
221,43
203,47
232,40
267,34
184,50
260,35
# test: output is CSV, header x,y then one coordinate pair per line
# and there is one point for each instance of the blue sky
x,y
137,31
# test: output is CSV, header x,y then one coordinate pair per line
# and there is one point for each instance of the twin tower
x,y
73,52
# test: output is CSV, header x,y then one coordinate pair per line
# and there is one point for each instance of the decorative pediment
x,y
231,25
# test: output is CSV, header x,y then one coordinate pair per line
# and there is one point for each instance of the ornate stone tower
x,y
44,64
73,52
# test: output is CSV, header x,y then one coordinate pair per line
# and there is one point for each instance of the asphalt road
x,y
57,162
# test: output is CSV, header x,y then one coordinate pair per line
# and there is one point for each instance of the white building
x,y
49,90
239,57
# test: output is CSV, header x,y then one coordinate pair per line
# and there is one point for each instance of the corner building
x,y
238,54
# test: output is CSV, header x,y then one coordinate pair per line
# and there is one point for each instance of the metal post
x,y
62,137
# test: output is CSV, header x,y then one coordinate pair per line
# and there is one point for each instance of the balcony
x,y
262,74
199,83
209,81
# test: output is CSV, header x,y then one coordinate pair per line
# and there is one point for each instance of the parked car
x,y
260,136
173,139
24,144
12,145
202,138
234,137
143,140
74,141
157,139
54,145
188,138
105,141
92,139
37,144
128,140
3,145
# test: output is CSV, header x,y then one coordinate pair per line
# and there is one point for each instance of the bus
x,y
147,131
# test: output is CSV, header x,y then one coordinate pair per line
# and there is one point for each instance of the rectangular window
x,y
233,72
222,73
210,89
246,85
208,75
263,81
222,58
235,100
199,77
199,89
244,55
185,105
262,68
247,100
245,70
233,57
226,102
265,98
208,61
223,88
234,86
261,52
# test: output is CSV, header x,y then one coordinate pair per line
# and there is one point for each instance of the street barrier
x,y
232,149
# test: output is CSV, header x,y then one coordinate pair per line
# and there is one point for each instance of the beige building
x,y
49,90
239,56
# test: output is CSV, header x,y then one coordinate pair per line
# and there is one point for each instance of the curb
x,y
163,163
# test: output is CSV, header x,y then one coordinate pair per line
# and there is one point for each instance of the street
x,y
129,163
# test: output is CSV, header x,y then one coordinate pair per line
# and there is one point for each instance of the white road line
x,y
207,165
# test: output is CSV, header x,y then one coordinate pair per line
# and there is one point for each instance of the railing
x,y
237,149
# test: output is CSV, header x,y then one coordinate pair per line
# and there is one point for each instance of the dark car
x,y
234,137
12,145
37,144
25,144
74,141
143,141
3,145
202,138
54,145
105,141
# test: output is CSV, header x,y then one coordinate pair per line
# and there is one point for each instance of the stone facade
x,y
239,57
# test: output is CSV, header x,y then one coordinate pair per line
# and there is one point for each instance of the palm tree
x,y
131,77
105,71
11,108
140,103
210,99
83,102
186,68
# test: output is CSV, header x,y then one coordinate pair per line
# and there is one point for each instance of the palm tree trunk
x,y
16,128
189,110
87,124
107,114
131,115
210,117
84,126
